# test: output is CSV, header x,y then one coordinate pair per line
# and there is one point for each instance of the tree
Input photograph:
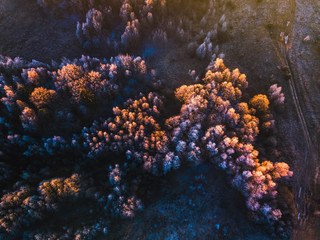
x,y
131,36
260,102
58,188
276,96
42,97
33,77
28,118
89,32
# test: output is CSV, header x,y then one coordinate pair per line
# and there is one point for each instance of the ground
x,y
30,32
199,203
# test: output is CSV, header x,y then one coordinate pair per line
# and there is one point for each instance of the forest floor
x,y
197,203
252,46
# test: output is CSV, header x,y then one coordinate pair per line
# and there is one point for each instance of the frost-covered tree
x,y
215,124
135,132
89,32
130,39
275,95
28,118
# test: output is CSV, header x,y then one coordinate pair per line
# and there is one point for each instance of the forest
x,y
156,119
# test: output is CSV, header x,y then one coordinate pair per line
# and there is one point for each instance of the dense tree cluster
x,y
110,162
132,23
214,123
33,93
135,132
135,137
64,97
127,24
26,204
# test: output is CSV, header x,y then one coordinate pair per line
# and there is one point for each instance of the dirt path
x,y
306,179
308,166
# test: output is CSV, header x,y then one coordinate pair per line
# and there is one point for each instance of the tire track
x,y
284,52
304,190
